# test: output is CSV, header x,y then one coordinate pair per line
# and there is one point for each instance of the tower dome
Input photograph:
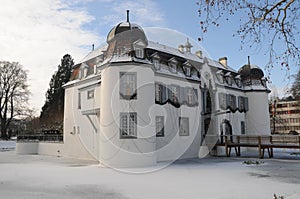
x,y
251,71
128,31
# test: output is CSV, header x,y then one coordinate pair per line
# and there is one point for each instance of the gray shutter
x,y
195,97
246,104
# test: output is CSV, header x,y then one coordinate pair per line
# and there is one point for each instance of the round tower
x,y
256,90
127,132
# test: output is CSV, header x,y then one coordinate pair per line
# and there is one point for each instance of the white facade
x,y
134,102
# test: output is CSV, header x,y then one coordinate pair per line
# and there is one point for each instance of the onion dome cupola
x,y
122,38
252,75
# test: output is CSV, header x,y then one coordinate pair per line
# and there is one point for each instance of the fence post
x,y
259,148
226,146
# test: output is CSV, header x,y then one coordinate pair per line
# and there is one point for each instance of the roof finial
x,y
127,15
249,60
188,45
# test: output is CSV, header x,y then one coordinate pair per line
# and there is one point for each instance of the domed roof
x,y
251,71
128,30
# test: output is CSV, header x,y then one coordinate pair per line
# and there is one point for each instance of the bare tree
x,y
274,21
295,88
14,94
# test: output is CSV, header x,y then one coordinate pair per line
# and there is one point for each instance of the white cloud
x,y
37,34
144,12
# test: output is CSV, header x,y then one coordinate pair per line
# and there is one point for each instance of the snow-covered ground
x,y
36,176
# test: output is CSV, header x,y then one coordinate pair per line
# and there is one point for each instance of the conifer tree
x,y
52,111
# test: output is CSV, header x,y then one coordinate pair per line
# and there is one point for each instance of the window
x,y
159,120
183,126
190,99
90,94
220,76
191,96
242,103
175,94
222,101
156,64
173,67
79,100
243,129
128,125
139,53
229,80
188,71
159,91
231,101
238,82
128,86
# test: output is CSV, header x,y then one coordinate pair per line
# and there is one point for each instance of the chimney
x,y
181,48
223,61
198,53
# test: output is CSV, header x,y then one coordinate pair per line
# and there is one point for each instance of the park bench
x,y
262,142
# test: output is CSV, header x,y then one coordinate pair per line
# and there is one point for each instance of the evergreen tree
x,y
52,111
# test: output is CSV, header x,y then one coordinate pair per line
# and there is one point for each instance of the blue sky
x,y
182,16
39,32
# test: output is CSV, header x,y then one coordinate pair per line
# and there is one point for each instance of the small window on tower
x,y
128,85
139,53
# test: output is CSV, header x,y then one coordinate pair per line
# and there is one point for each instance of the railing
x,y
40,138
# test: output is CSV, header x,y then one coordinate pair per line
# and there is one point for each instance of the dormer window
x,y
187,68
220,77
156,64
173,65
188,71
238,81
155,60
139,53
228,78
139,47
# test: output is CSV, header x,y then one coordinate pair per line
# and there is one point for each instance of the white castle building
x,y
136,102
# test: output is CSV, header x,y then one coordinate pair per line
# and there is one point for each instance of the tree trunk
x,y
3,130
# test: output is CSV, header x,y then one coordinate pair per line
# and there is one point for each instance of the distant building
x,y
284,116
136,102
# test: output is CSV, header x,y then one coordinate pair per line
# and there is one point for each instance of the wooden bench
x,y
261,142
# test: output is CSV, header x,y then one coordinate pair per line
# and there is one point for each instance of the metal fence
x,y
40,138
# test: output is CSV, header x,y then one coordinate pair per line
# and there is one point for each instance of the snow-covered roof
x,y
186,55
98,51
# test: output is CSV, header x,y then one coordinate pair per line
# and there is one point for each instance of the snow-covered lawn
x,y
35,176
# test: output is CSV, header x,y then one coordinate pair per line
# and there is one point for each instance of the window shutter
x,y
182,95
246,104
